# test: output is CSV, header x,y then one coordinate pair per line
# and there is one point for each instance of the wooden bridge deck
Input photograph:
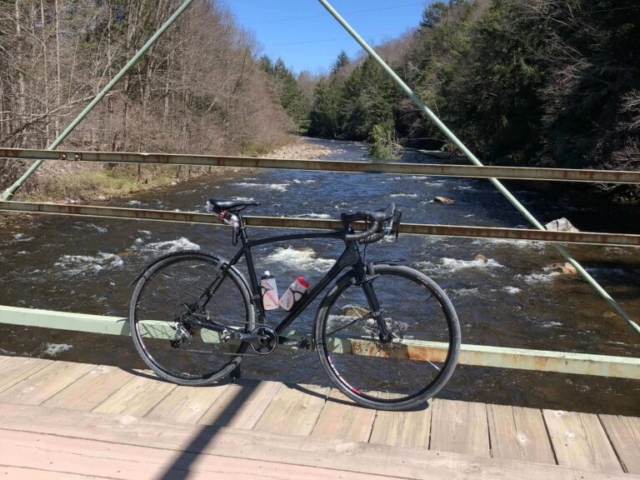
x,y
69,420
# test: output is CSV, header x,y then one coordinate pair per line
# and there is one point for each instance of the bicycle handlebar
x,y
362,235
382,220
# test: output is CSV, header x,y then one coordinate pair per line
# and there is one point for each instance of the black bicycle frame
x,y
350,257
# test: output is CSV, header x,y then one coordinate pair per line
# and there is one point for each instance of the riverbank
x,y
74,182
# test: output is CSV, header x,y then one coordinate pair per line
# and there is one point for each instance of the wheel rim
x,y
410,366
168,300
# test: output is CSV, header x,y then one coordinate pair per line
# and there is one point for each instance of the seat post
x,y
244,237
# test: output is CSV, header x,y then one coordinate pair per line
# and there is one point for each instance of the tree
x,y
287,92
368,99
325,114
341,62
494,97
199,89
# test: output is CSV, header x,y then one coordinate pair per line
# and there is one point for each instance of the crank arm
x,y
232,333
248,337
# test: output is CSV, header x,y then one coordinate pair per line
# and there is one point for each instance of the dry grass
x,y
77,182
104,183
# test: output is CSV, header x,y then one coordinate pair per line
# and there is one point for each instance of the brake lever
x,y
388,228
397,216
393,223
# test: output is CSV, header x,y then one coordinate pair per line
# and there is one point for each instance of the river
x,y
509,296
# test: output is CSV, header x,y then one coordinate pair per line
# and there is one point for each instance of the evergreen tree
x,y
368,99
341,62
493,98
324,116
287,92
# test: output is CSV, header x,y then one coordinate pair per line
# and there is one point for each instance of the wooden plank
x,y
624,434
402,429
241,405
60,454
294,410
460,427
341,418
580,441
23,473
15,369
519,434
387,428
187,404
137,397
91,390
345,456
45,383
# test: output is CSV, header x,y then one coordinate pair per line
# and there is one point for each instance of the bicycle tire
x,y
404,373
162,295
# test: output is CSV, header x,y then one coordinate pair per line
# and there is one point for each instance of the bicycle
x,y
387,335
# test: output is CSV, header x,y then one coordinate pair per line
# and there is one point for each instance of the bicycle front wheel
x,y
408,370
168,297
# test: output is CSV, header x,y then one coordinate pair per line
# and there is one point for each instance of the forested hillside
x,y
521,82
200,88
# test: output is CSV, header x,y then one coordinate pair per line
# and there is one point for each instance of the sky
x,y
307,37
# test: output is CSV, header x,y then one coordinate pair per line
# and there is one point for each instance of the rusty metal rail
x,y
476,355
587,238
465,171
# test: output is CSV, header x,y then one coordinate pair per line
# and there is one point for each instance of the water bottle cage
x,y
297,295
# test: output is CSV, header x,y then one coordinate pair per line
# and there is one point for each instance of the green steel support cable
x,y
449,134
13,188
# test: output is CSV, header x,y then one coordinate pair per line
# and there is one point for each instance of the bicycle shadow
x,y
252,397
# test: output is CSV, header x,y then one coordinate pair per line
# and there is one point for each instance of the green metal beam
x,y
475,355
466,171
13,188
78,322
584,238
458,143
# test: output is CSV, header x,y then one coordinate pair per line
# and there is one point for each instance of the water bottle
x,y
294,293
269,291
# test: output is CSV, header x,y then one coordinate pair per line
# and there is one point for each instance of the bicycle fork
x,y
365,276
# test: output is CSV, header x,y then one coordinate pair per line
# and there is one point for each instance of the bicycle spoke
x,y
166,306
386,374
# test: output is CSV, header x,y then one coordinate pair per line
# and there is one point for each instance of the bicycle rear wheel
x,y
405,372
166,298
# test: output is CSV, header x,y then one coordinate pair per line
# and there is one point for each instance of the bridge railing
x,y
475,355
486,356
359,167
